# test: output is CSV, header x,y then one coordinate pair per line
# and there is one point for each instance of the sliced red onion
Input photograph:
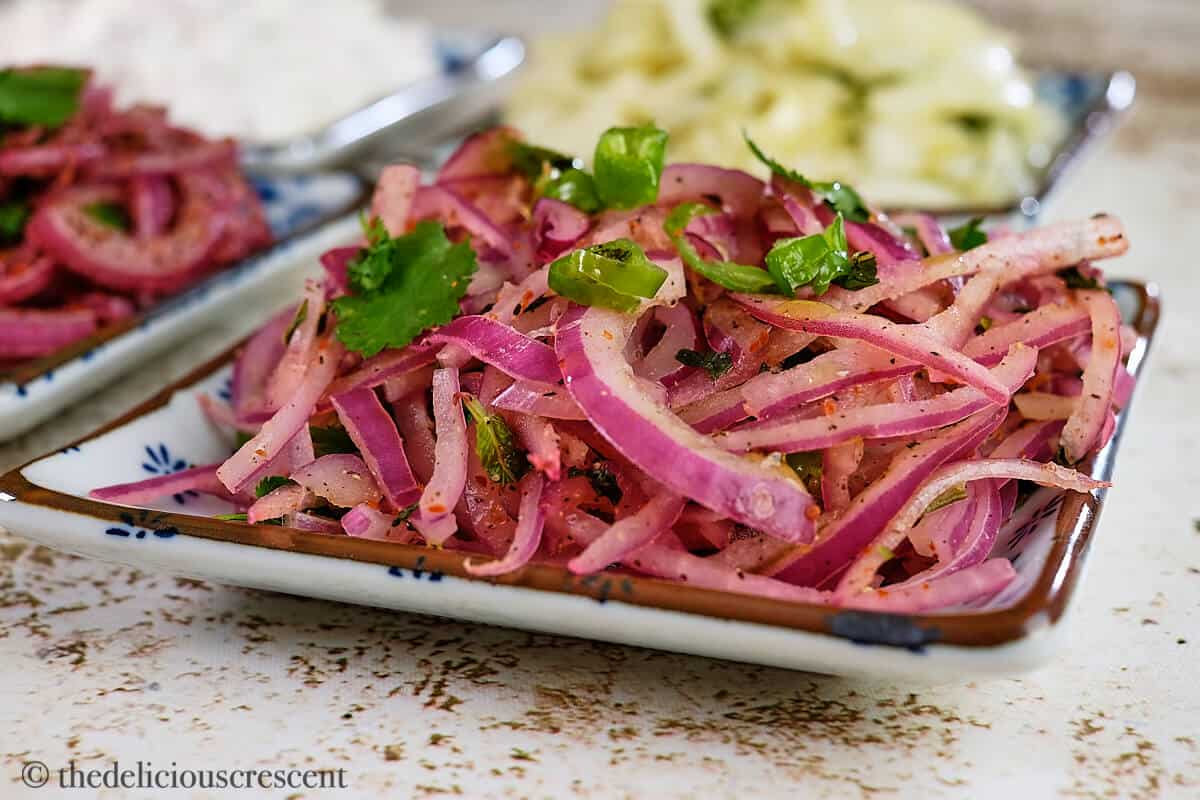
x,y
256,362
278,431
1030,441
298,354
23,273
552,402
1043,406
196,479
739,192
628,534
407,383
336,263
303,521
880,550
880,421
1084,427
868,513
374,434
515,298
541,443
643,225
680,332
907,341
366,522
341,478
772,393
497,344
48,159
63,228
199,156
716,412
965,586
449,476
1038,251
978,538
557,226
277,503
929,231
1039,328
388,364
838,463
531,519
441,203
940,531
392,202
34,333
803,216
488,152
416,429
152,205
590,344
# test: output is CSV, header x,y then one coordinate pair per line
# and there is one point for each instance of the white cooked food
x,y
263,70
918,103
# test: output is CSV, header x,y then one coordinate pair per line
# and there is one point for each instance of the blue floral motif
x,y
418,571
142,525
162,463
226,390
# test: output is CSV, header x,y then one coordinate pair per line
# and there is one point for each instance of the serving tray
x,y
1048,542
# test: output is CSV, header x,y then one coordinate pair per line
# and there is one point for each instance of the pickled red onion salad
x,y
679,372
105,210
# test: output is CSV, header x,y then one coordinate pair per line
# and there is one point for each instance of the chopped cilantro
x,y
968,236
270,484
809,467
333,439
951,495
714,363
231,517
603,481
13,216
403,286
495,444
728,16
113,215
820,260
1077,280
534,162
46,96
837,195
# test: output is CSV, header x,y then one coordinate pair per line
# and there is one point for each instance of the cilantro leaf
x,y
495,444
46,96
713,362
13,216
1077,280
403,286
728,16
820,260
604,482
270,484
533,161
113,215
968,236
330,440
951,495
809,467
839,196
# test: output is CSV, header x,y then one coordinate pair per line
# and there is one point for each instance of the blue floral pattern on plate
x,y
161,462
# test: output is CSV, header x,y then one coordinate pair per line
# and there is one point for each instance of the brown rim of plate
x,y
21,374
1043,605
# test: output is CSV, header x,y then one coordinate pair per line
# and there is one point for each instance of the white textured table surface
x,y
100,662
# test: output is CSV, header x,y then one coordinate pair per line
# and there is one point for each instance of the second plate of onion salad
x,y
677,371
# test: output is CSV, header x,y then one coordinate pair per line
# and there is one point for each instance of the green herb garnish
x,y
232,517
733,276
820,260
270,484
495,444
837,195
1077,280
402,287
534,162
113,215
615,275
713,362
13,216
809,467
628,165
951,495
334,439
968,236
604,482
46,96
